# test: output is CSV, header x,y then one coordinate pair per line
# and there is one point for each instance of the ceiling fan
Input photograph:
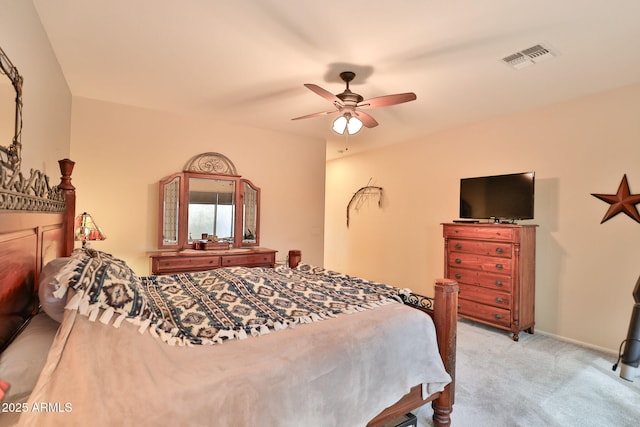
x,y
350,105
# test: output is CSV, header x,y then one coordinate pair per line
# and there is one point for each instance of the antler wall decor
x,y
363,194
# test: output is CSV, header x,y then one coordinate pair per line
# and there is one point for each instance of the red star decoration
x,y
623,201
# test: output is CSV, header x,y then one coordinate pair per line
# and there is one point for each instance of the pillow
x,y
51,304
88,268
22,361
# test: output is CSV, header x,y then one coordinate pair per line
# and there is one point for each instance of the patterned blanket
x,y
212,306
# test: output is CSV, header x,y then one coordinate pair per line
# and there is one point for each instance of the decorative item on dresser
x,y
494,265
210,218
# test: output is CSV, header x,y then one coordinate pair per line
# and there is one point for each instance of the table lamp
x,y
85,230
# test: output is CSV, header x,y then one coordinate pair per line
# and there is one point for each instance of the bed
x,y
341,367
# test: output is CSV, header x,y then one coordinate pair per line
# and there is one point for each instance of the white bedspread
x,y
336,372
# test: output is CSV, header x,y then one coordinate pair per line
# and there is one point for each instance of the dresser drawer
x,y
487,232
477,247
484,312
499,282
252,260
479,262
185,263
485,296
198,260
462,275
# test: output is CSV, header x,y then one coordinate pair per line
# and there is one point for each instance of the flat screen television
x,y
498,197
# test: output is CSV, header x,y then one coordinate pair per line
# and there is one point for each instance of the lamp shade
x,y
340,124
347,122
354,125
86,229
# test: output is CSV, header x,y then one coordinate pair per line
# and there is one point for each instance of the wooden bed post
x,y
295,255
446,295
69,191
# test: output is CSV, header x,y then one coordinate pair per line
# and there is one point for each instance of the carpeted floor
x,y
538,381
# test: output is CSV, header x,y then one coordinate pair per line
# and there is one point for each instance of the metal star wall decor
x,y
621,202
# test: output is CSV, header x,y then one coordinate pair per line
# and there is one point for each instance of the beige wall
x,y
585,271
121,153
46,96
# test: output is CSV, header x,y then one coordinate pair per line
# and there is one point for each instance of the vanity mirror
x,y
208,205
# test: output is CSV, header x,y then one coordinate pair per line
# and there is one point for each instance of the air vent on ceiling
x,y
529,56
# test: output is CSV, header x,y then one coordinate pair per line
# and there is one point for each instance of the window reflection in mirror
x,y
211,209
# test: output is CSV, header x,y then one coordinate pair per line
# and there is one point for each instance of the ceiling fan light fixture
x,y
350,106
340,124
354,125
347,122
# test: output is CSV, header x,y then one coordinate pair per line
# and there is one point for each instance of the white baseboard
x,y
580,343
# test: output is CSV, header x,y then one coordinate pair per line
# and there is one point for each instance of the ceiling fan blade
x,y
385,101
323,93
366,119
308,116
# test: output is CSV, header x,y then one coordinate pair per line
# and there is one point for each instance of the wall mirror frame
x,y
10,156
18,192
208,196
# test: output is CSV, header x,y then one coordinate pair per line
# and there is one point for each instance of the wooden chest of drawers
x,y
193,260
494,264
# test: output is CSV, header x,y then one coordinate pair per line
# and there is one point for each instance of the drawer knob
x,y
458,246
499,266
499,283
499,250
497,316
458,261
499,300
458,275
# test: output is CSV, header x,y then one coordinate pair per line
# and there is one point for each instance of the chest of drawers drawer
x,y
485,296
499,282
488,313
480,262
480,232
497,249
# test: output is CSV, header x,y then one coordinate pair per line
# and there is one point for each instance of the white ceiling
x,y
247,60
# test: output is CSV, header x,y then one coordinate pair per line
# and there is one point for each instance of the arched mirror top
x,y
208,206
10,114
213,163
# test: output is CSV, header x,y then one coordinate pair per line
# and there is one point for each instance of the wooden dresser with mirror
x,y
209,217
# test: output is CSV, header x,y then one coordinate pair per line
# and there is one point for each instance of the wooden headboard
x,y
36,226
